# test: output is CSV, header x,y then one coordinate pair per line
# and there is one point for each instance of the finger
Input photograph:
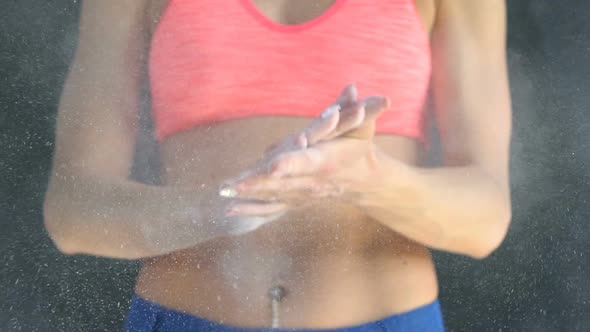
x,y
239,225
374,106
255,209
347,96
267,187
228,189
278,162
350,118
318,128
323,125
323,158
290,189
364,129
262,186
301,162
291,143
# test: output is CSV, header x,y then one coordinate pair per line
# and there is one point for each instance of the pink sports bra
x,y
218,60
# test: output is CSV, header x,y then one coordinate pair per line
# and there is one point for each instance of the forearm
x,y
457,209
124,219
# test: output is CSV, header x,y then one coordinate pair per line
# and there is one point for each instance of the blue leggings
x,y
146,316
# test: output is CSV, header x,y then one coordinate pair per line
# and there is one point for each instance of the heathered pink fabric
x,y
216,60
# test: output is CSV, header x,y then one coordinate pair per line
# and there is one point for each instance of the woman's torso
x,y
339,267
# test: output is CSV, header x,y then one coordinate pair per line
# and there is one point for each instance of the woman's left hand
x,y
339,163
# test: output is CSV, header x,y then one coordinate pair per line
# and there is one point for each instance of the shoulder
x,y
139,16
480,24
121,10
109,18
470,6
471,12
155,9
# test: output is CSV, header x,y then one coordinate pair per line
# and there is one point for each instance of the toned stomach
x,y
340,268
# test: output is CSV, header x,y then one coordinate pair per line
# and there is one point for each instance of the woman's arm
x,y
91,206
463,207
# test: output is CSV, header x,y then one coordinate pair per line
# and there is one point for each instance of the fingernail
x,y
376,102
228,192
353,90
329,111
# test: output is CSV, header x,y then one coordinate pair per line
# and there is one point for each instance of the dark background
x,y
537,281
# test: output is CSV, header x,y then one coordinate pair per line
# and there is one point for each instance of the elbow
x,y
60,238
485,249
492,236
58,227
70,237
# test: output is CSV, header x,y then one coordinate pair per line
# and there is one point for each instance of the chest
x,y
267,43
290,12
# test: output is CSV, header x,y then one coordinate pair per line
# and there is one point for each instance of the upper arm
x,y
470,85
98,111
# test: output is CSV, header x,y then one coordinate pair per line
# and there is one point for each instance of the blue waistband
x,y
146,316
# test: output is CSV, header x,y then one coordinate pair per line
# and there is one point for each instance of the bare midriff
x,y
339,267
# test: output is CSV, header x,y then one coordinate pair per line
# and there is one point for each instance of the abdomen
x,y
331,258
